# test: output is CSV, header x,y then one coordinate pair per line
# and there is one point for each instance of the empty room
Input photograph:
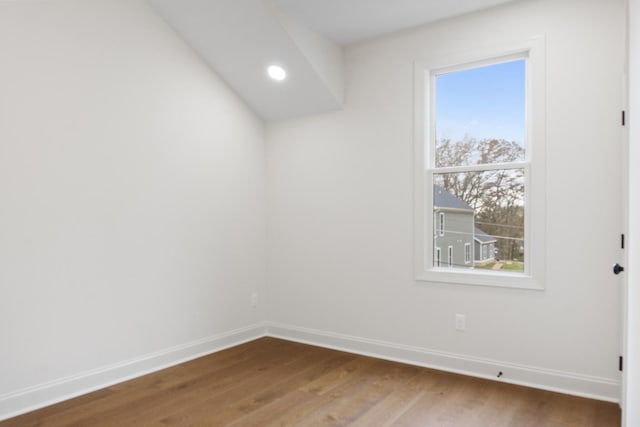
x,y
319,212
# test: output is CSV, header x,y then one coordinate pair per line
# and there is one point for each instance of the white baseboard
x,y
32,398
41,395
546,379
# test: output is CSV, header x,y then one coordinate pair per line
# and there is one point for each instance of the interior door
x,y
623,260
631,325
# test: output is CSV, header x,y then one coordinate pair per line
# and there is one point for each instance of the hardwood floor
x,y
271,382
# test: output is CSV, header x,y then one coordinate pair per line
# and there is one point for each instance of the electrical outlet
x,y
254,299
461,322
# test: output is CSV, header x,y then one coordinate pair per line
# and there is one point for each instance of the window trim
x,y
467,253
534,167
441,224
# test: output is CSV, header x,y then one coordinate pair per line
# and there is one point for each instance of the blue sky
x,y
483,102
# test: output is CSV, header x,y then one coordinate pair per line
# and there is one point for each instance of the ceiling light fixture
x,y
276,72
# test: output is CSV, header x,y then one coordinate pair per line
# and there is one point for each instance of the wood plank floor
x,y
271,382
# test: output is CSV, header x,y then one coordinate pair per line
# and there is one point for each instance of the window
x,y
438,260
480,162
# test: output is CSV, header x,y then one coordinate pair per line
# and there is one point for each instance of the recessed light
x,y
276,72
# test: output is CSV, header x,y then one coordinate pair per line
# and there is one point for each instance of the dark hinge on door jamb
x,y
620,363
623,121
622,241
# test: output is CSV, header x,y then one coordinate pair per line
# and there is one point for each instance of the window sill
x,y
479,278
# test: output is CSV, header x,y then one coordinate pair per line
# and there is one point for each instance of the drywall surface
x,y
322,53
340,210
241,38
131,194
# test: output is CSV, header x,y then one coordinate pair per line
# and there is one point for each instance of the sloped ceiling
x,y
351,21
239,39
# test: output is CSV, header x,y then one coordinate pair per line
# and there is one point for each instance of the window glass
x,y
485,210
480,115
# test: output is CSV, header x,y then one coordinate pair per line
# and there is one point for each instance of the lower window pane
x,y
478,220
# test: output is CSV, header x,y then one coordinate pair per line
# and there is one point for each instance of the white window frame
x,y
450,256
438,256
441,224
467,253
533,276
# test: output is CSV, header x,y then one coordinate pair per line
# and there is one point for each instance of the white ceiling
x,y
350,21
240,38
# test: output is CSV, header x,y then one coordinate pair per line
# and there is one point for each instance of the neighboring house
x,y
484,246
453,230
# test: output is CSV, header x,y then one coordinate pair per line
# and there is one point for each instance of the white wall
x,y
131,199
340,211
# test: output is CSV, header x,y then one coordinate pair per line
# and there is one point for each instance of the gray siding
x,y
458,231
483,251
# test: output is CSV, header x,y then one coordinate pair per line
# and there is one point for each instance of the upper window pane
x,y
480,115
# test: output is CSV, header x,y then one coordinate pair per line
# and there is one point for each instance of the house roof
x,y
443,199
482,237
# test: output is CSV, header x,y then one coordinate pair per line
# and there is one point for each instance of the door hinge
x,y
623,118
620,360
622,241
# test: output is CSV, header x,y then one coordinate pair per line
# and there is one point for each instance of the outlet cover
x,y
461,322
